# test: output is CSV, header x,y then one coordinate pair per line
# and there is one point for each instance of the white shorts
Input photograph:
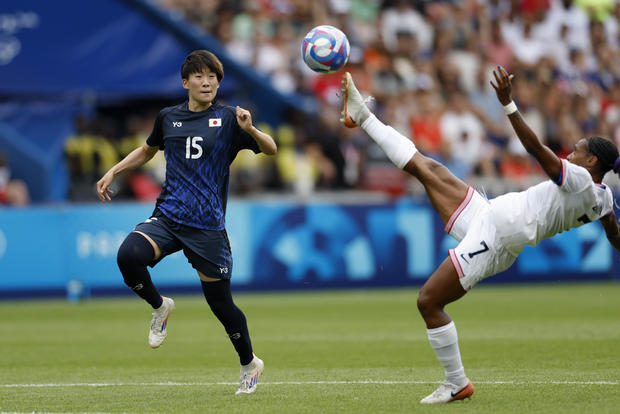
x,y
480,253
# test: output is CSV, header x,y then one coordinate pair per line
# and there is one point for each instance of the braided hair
x,y
606,152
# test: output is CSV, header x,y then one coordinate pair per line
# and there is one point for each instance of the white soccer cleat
x,y
157,331
448,392
248,380
355,110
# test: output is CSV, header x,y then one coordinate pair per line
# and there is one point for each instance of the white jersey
x,y
542,211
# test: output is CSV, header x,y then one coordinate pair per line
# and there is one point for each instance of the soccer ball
x,y
325,49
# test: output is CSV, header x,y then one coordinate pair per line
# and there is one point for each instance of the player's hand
x,y
244,118
103,187
502,85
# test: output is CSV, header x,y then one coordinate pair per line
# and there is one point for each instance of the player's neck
x,y
196,106
596,177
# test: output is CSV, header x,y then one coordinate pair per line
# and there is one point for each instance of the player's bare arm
x,y
612,230
549,162
134,159
265,143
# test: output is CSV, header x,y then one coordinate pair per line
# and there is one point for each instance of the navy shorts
x,y
208,251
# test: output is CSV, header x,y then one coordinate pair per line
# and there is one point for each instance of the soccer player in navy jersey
x,y
200,139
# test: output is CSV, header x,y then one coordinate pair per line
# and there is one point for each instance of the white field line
x,y
361,382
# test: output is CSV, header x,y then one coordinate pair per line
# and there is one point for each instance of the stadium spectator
x,y
463,129
496,48
145,182
566,16
13,191
90,152
425,120
528,48
598,10
403,17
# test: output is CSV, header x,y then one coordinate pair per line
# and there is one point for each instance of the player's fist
x,y
244,118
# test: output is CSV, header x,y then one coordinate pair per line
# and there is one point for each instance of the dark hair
x,y
606,152
199,61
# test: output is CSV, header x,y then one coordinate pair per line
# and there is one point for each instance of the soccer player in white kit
x,y
492,234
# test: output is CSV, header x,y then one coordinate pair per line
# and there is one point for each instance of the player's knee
x,y
218,296
135,251
422,304
426,163
124,257
224,308
426,304
427,168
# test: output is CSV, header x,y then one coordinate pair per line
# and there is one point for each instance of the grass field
x,y
527,349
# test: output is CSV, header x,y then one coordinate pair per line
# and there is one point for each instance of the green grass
x,y
317,347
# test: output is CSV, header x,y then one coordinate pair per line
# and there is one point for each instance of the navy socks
x,y
219,298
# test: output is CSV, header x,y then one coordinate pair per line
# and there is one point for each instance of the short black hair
x,y
199,61
606,152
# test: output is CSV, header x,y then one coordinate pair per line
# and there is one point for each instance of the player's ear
x,y
185,83
592,160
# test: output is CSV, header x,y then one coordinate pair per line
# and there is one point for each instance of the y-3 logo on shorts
x,y
223,270
177,124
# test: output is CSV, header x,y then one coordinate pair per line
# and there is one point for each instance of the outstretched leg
x,y
444,190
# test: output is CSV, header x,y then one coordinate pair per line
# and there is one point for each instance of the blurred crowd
x,y
428,65
13,191
101,142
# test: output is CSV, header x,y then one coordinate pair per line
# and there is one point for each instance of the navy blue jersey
x,y
199,148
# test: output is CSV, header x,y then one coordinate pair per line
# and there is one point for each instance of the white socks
x,y
398,148
444,340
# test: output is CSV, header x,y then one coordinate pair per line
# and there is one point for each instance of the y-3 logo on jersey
x,y
177,124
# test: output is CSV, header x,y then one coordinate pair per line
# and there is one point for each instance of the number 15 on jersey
x,y
193,143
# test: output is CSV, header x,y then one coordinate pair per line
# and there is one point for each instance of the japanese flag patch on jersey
x,y
215,122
